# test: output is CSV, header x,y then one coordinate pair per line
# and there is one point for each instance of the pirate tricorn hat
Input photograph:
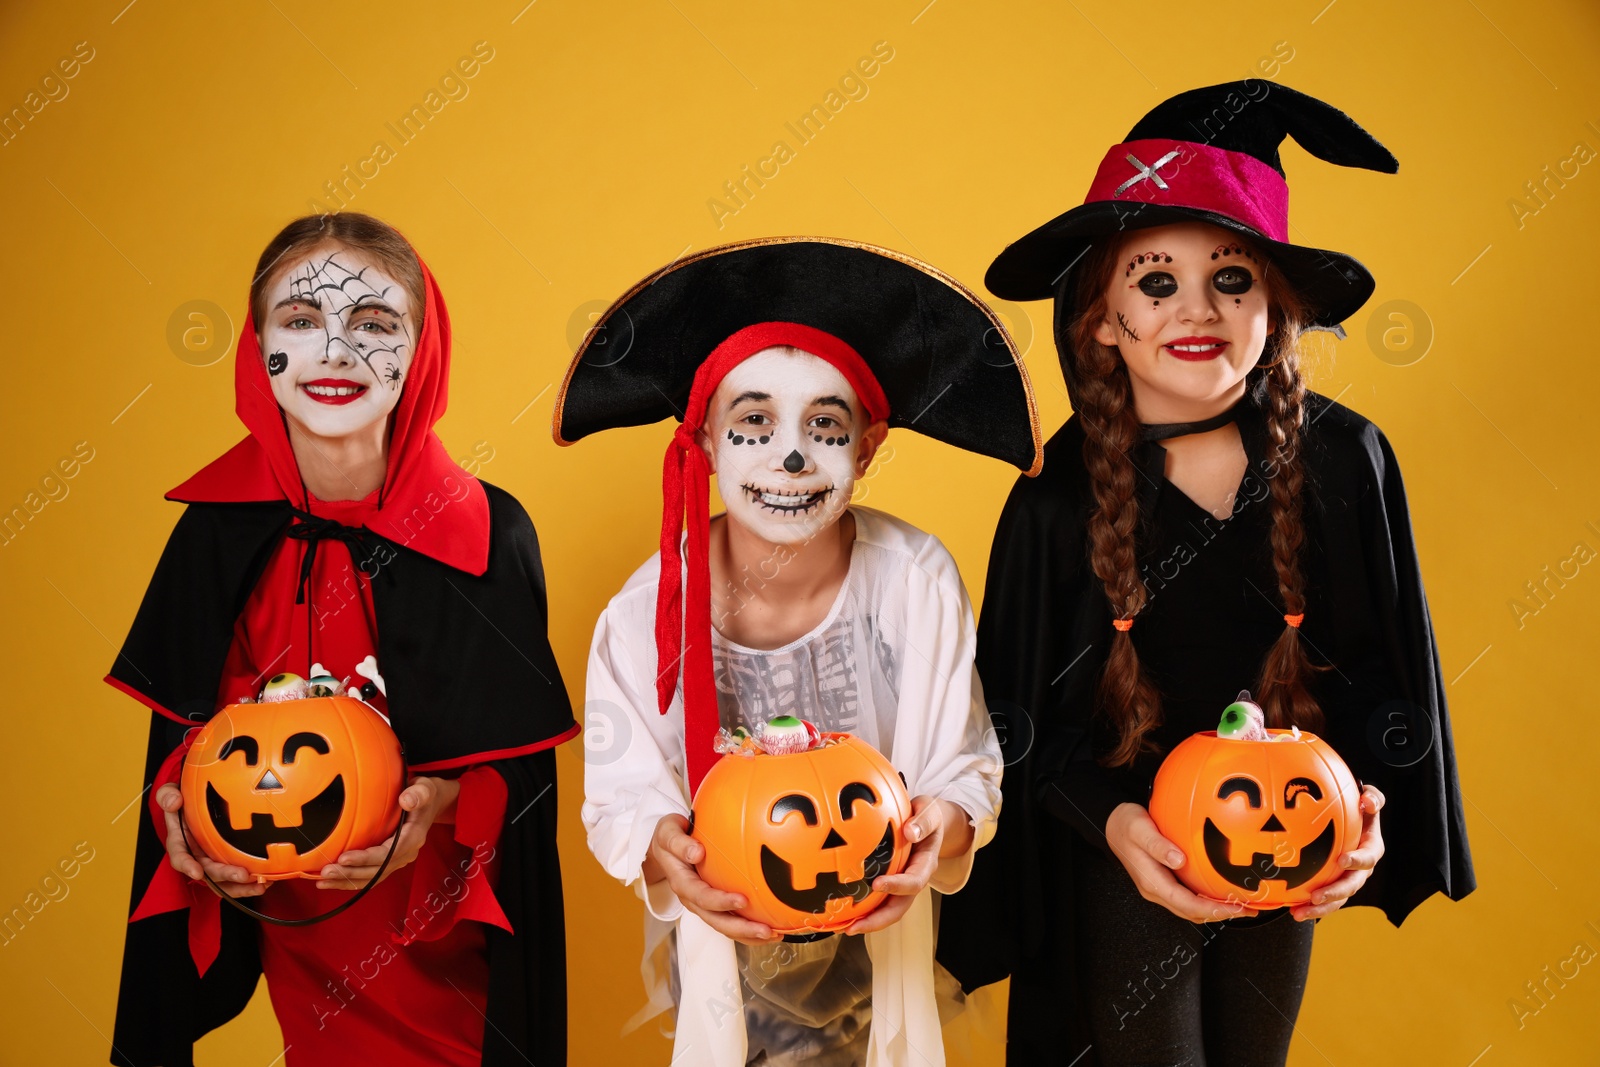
x,y
918,348
1208,155
946,363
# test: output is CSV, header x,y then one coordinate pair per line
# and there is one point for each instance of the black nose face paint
x,y
794,462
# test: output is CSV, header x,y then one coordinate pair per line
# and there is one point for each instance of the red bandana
x,y
685,479
428,503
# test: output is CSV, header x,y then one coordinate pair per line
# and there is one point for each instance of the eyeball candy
x,y
1243,720
284,687
324,685
786,735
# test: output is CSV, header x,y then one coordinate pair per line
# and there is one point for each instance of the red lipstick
x,y
334,383
1195,349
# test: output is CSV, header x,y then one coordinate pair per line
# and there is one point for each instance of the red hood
x,y
427,503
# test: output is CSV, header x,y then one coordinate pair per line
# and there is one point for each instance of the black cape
x,y
1043,637
469,672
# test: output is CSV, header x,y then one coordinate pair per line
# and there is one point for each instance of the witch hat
x,y
1208,155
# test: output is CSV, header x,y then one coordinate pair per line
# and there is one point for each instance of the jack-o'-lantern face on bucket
x,y
803,836
1311,854
280,786
794,830
1259,821
282,789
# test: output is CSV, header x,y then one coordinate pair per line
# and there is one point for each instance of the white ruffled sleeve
x,y
633,755
944,741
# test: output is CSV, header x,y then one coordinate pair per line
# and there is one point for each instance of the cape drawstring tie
x,y
313,529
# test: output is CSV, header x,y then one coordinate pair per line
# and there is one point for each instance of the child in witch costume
x,y
1204,524
340,536
786,361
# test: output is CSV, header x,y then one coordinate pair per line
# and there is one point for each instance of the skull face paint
x,y
1187,312
785,431
340,333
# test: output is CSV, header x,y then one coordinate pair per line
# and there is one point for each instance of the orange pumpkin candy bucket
x,y
802,834
1259,821
283,788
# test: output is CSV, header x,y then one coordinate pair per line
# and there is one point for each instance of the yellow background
x,y
582,158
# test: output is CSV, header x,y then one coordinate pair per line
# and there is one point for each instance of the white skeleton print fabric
x,y
818,678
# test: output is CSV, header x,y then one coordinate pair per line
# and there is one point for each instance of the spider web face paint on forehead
x,y
340,340
341,293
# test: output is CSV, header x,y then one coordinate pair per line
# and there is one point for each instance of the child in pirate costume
x,y
786,361
340,534
1204,524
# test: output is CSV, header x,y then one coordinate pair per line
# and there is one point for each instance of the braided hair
x,y
1104,402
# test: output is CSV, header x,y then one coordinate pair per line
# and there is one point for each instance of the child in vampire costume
x,y
429,596
1121,616
890,662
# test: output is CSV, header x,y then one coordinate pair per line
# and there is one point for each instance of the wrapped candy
x,y
781,736
735,742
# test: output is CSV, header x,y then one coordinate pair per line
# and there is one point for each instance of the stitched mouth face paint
x,y
340,336
784,444
1186,312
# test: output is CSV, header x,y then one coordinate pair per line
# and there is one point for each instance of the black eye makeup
x,y
1158,284
742,439
1233,281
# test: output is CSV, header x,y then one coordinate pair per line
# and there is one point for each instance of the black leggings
x,y
1161,990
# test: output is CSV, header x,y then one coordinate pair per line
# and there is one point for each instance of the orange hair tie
x,y
1295,620
1122,624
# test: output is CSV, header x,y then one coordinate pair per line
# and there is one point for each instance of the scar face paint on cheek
x,y
1128,331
